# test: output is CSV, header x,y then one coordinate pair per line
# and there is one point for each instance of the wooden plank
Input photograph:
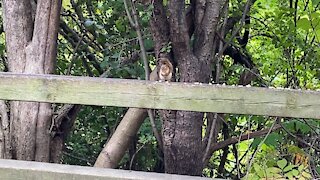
x,y
27,170
160,95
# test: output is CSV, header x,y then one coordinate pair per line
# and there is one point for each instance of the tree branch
x,y
132,23
205,30
83,28
73,38
212,135
234,140
178,29
135,23
298,138
246,10
160,31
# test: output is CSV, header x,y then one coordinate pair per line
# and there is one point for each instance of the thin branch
x,y
312,127
246,10
220,145
72,37
129,14
298,138
83,28
211,136
207,133
259,146
243,137
236,153
134,155
141,43
87,67
135,24
225,133
223,28
74,55
154,128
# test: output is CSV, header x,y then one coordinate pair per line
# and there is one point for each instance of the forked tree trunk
x,y
182,131
31,41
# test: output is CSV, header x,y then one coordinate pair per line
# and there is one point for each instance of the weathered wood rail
x,y
142,94
27,170
160,95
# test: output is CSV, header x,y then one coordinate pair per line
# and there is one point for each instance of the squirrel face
x,y
165,70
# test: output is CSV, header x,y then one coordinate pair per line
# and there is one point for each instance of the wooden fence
x,y
27,170
160,95
142,94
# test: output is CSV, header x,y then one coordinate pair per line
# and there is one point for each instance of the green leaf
x,y
282,163
294,149
115,55
272,139
104,64
256,142
66,4
273,170
288,168
252,176
318,169
120,26
165,2
148,43
318,35
306,175
315,2
304,24
295,172
289,175
258,169
301,167
303,127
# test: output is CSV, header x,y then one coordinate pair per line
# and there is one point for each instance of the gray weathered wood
x,y
27,170
160,95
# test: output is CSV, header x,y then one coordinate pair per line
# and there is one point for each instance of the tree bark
x,y
5,146
116,147
31,48
63,123
182,131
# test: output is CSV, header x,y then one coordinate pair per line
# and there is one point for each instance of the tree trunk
x,y
31,33
116,147
182,131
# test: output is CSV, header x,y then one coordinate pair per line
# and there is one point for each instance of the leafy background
x,y
95,38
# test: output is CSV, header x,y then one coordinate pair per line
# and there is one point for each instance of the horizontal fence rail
x,y
160,95
27,170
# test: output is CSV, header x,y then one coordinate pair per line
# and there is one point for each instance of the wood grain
x,y
160,95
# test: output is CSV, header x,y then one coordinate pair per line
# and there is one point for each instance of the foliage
x,y
106,39
282,44
274,166
92,128
96,37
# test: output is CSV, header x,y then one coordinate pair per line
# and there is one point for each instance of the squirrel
x,y
163,72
